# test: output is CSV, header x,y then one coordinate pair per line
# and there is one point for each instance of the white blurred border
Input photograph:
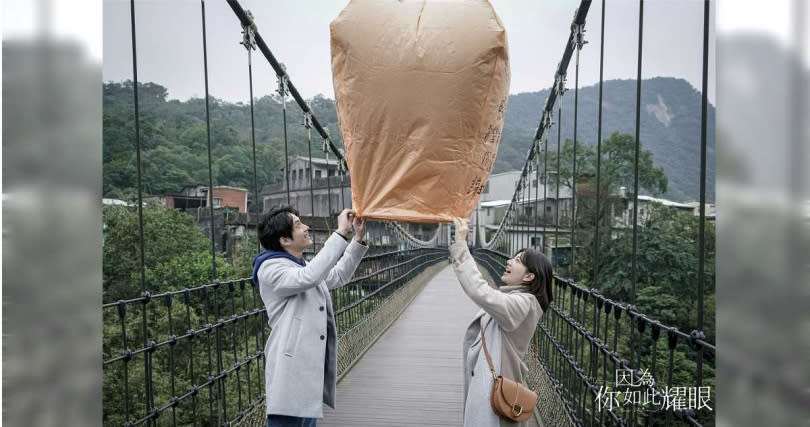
x,y
51,120
763,198
75,20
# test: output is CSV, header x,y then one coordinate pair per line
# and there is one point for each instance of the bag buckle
x,y
517,410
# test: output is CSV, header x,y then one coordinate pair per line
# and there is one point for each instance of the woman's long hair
x,y
539,265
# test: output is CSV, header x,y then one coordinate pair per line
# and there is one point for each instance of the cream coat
x,y
514,316
301,351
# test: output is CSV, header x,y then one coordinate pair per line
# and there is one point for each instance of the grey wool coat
x,y
301,351
510,316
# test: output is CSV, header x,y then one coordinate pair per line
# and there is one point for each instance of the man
x,y
301,352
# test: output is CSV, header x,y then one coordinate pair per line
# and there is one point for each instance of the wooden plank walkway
x,y
413,375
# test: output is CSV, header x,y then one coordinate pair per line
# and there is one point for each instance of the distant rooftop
x,y
317,160
666,202
495,203
114,202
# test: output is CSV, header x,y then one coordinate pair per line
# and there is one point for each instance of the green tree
x,y
661,304
235,166
177,257
617,169
617,166
195,137
174,141
666,262
167,169
245,250
176,253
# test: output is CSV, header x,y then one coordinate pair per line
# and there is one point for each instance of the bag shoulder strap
x,y
486,352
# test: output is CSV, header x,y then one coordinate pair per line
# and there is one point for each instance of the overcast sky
x,y
169,36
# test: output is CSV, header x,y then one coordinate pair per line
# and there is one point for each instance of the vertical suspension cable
x,y
282,91
522,226
599,148
579,41
328,183
535,220
502,240
342,184
633,340
248,33
206,312
250,44
505,240
247,349
527,201
514,219
168,302
527,191
560,92
220,390
147,357
210,162
138,147
232,294
516,242
638,143
524,196
187,303
702,225
308,125
595,367
545,181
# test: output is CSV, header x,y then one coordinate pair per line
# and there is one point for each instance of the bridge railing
x,y
585,338
588,345
203,362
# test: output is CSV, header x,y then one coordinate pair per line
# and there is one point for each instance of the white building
x,y
624,217
300,176
500,186
535,217
320,180
538,199
710,209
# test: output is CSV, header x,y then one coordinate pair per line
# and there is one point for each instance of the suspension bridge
x,y
401,318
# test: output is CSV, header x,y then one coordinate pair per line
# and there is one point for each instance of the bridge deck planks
x,y
413,375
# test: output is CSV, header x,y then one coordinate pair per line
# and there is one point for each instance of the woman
x,y
509,316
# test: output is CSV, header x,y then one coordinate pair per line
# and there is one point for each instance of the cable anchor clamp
x,y
249,33
283,88
548,119
578,33
559,83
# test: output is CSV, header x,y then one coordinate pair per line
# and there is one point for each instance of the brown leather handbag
x,y
509,399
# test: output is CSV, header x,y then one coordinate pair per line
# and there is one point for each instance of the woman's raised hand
x,y
462,229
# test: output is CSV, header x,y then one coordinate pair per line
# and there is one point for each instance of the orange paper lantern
x,y
421,90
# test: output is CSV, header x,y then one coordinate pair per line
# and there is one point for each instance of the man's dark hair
x,y
274,225
540,266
